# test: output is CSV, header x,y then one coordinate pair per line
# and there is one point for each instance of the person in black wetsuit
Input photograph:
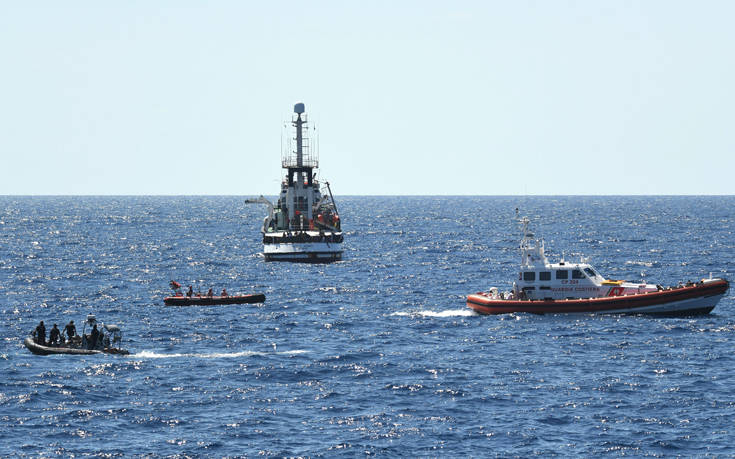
x,y
70,330
40,334
190,292
93,336
53,336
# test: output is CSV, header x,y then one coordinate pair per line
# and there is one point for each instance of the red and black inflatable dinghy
x,y
213,300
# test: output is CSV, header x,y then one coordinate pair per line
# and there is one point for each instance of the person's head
x,y
42,322
71,322
54,325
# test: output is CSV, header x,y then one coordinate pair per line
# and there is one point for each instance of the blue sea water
x,y
376,354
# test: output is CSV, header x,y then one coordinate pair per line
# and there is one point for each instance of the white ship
x,y
304,224
567,287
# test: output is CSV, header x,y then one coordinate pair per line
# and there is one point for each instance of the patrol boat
x,y
563,287
304,224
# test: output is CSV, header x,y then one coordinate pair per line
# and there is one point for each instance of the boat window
x,y
562,274
590,272
577,274
525,289
544,276
529,276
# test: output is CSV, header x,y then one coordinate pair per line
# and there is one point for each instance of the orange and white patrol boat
x,y
563,287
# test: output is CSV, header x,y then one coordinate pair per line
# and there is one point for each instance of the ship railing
x,y
290,156
291,160
314,225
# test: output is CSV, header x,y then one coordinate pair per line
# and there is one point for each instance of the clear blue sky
x,y
410,97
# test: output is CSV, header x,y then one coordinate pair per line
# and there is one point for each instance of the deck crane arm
x,y
261,200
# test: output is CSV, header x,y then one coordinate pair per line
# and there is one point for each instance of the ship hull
x,y
311,252
38,349
696,299
303,247
213,300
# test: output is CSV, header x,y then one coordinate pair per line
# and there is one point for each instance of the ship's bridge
x,y
561,271
559,280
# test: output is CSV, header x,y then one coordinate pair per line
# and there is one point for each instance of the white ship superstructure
x,y
540,280
304,224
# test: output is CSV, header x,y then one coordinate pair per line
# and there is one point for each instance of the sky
x,y
409,97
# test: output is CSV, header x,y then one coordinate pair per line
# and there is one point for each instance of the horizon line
x,y
374,195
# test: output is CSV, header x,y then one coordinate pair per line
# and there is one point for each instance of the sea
x,y
374,355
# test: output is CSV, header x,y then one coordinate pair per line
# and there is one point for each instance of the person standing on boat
x,y
190,292
176,287
93,336
70,330
40,334
224,292
53,336
210,293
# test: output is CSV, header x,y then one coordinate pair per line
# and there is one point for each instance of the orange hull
x,y
699,298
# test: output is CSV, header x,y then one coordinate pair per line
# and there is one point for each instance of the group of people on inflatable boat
x,y
190,292
96,339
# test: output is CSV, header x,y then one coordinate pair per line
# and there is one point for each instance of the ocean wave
x,y
213,355
647,264
429,313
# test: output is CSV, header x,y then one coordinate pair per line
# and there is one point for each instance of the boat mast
x,y
299,123
300,164
532,250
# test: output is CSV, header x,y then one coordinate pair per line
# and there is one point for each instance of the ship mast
x,y
300,164
299,124
532,250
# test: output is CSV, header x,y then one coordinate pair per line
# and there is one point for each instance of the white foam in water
x,y
217,355
447,313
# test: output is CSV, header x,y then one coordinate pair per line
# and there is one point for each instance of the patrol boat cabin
x,y
540,280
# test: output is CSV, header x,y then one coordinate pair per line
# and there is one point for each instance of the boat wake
x,y
214,355
447,313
